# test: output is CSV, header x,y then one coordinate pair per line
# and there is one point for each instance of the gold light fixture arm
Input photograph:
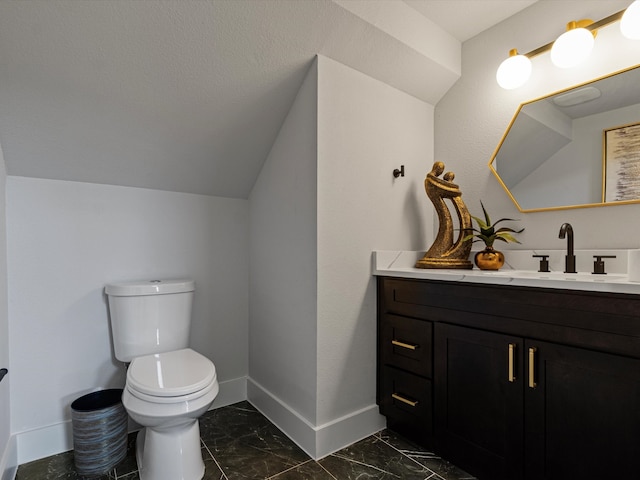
x,y
587,24
569,49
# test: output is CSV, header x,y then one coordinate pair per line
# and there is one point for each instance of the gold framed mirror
x,y
576,148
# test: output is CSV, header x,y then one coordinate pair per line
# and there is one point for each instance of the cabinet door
x,y
479,401
582,414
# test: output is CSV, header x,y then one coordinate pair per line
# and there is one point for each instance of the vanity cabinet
x,y
523,383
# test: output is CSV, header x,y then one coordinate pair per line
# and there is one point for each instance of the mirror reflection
x,y
574,148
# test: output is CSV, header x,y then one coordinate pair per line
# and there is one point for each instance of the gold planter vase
x,y
489,259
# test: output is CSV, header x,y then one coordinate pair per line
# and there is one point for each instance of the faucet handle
x,y
544,262
598,265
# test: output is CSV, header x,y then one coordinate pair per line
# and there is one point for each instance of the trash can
x,y
99,432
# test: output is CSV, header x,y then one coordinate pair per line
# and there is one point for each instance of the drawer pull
x,y
512,351
532,367
402,399
409,346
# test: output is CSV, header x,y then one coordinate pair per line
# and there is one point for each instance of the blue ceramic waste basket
x,y
99,432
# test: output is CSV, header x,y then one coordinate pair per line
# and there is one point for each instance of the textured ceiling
x,y
188,95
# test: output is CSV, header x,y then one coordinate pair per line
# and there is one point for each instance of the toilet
x,y
169,386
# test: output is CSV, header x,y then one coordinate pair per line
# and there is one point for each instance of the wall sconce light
x,y
571,48
630,22
514,71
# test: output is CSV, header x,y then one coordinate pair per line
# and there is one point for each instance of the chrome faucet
x,y
570,259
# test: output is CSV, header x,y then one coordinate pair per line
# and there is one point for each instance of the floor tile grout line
x,y
363,464
435,476
407,456
125,476
330,474
269,452
224,475
288,469
274,477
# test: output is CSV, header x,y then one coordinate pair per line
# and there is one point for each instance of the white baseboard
x,y
231,391
44,441
296,427
9,460
53,439
316,441
351,428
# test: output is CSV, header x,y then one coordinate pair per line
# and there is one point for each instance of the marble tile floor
x,y
239,443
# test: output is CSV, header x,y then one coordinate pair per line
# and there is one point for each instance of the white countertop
x,y
520,269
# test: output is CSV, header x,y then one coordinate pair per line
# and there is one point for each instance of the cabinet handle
x,y
402,399
532,367
512,351
409,346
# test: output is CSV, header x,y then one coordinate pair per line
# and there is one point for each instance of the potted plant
x,y
489,258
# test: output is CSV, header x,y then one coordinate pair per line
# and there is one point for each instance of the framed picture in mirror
x,y
621,163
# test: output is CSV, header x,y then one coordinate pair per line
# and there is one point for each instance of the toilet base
x,y
170,453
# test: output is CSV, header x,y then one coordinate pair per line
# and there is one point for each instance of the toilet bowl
x,y
168,385
166,393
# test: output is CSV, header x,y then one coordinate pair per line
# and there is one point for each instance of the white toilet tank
x,y
150,316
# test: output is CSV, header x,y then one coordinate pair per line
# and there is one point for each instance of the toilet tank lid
x,y
149,287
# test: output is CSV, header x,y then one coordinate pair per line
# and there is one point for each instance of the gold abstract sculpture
x,y
444,253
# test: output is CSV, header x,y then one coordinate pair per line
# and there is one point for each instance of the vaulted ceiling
x,y
189,95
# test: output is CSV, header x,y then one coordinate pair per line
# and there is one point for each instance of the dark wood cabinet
x,y
405,375
513,382
582,417
479,401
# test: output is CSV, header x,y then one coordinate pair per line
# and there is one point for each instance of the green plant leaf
x,y
487,232
486,215
480,222
506,220
507,237
507,229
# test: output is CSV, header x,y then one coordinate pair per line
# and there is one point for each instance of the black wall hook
x,y
3,372
399,173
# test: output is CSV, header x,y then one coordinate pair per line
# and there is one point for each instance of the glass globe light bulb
x,y
630,21
572,47
514,71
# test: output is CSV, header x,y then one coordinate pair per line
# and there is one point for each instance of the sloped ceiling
x,y
188,95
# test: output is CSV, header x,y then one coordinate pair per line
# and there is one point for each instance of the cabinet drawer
x,y
407,343
406,400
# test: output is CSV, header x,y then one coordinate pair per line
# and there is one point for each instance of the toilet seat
x,y
170,377
175,400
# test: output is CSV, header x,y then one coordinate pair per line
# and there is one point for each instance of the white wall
x,y
471,119
324,200
366,129
282,328
67,240
8,459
